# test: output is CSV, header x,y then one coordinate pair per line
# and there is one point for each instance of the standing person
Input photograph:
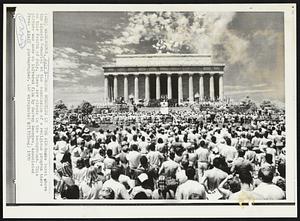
x,y
190,189
146,168
154,157
123,162
65,173
202,157
185,143
161,146
162,191
133,158
61,148
119,189
141,187
233,183
266,188
213,177
229,152
90,187
169,167
143,145
79,172
246,190
109,161
114,146
241,163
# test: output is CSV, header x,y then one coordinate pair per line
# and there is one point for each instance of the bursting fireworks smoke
x,y
186,32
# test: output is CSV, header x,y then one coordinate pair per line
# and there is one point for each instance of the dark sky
x,y
250,44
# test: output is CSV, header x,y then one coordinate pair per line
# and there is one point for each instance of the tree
x,y
86,108
59,104
59,108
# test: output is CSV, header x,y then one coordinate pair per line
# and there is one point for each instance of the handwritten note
x,y
21,30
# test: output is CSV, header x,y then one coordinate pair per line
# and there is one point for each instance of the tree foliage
x,y
60,108
85,108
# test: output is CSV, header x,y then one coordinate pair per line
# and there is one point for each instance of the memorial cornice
x,y
164,69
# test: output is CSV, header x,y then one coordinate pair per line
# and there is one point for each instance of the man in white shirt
x,y
114,146
190,189
229,152
266,188
202,157
155,157
133,157
143,146
119,189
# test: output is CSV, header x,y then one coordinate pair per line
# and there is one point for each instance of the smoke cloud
x,y
186,32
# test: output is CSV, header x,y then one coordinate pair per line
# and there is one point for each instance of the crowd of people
x,y
186,154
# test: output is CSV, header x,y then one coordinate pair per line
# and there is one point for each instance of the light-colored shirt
x,y
154,158
90,192
269,191
133,158
118,188
79,175
190,189
115,147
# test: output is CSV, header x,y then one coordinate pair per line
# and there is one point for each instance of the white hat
x,y
143,177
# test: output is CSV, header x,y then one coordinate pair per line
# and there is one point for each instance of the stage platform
x,y
158,109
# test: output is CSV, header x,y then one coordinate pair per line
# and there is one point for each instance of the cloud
x,y
248,91
93,70
79,89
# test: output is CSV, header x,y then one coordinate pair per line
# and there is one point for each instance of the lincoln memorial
x,y
180,77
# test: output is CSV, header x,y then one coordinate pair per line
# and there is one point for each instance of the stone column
x,y
211,87
169,89
221,87
111,98
125,87
201,87
115,87
157,86
147,88
105,89
180,97
136,88
191,89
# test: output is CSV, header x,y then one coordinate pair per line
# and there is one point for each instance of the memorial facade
x,y
181,77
